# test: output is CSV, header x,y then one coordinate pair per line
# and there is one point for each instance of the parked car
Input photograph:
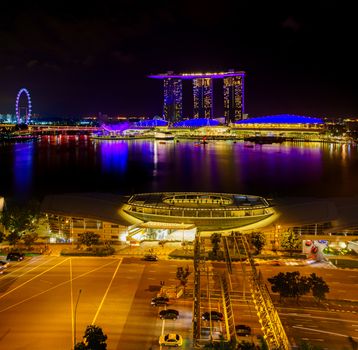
x,y
15,256
214,315
159,301
243,330
171,339
170,314
150,257
3,265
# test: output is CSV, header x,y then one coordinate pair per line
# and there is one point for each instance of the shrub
x,y
95,251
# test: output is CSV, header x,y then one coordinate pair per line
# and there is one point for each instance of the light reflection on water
x,y
77,164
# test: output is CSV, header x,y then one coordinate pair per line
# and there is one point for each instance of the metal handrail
x,y
273,329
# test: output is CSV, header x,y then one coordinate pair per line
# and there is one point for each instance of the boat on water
x,y
265,139
201,142
163,135
118,137
19,138
248,145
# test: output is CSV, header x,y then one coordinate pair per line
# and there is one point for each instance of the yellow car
x,y
171,339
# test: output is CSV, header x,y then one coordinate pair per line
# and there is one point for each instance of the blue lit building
x,y
233,98
203,98
150,123
203,102
196,123
290,126
172,107
281,120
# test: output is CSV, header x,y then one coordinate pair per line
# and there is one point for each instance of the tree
x,y
29,239
263,343
182,275
80,346
308,346
215,241
258,240
94,339
318,286
19,220
13,237
245,345
290,284
290,240
89,239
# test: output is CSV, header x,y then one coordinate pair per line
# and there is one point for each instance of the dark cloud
x,y
95,57
292,24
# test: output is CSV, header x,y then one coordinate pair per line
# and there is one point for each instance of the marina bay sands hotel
x,y
203,97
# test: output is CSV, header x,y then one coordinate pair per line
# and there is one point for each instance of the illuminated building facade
x,y
172,108
233,85
203,98
233,98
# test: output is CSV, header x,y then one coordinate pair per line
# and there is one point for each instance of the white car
x,y
3,265
171,339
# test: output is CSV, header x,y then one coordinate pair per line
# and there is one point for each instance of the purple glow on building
x,y
191,76
196,123
150,123
282,119
117,127
203,95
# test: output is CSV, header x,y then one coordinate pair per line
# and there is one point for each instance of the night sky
x,y
80,60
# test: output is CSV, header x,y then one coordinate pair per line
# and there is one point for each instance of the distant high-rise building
x,y
173,106
233,98
203,97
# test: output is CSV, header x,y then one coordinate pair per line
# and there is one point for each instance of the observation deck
x,y
206,210
191,76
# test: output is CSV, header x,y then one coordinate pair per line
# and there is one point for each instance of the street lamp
x,y
74,324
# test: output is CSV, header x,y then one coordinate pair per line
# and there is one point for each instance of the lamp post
x,y
75,316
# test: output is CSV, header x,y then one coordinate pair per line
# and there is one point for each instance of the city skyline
x,y
298,59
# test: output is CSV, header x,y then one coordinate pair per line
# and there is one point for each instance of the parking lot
x,y
38,299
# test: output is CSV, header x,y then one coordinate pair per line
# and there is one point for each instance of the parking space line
x,y
52,288
107,290
31,279
29,263
320,331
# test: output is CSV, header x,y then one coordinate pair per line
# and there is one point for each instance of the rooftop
x,y
97,206
282,119
216,75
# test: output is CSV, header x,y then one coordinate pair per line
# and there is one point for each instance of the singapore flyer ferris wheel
x,y
27,115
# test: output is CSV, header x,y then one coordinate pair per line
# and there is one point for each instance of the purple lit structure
x,y
117,128
150,123
282,119
233,86
28,109
196,123
191,76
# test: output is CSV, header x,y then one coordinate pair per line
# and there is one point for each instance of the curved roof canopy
x,y
116,127
151,123
196,123
282,119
